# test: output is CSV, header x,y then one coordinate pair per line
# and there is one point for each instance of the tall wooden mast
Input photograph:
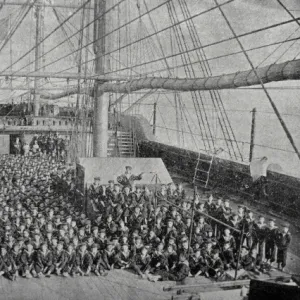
x,y
38,48
100,128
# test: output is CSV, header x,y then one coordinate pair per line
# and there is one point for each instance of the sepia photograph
x,y
149,149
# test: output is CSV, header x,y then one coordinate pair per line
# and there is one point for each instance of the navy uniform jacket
x,y
260,231
166,233
95,191
27,259
44,259
158,258
121,258
171,258
204,228
142,262
180,195
117,198
197,238
83,260
180,272
59,257
16,258
227,211
102,243
153,242
108,258
6,261
125,181
218,212
210,208
246,262
227,256
216,264
283,241
70,258
271,235
223,239
135,221
96,258
196,262
128,200
185,252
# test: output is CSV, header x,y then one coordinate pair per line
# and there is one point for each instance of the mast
x,y
37,64
100,129
253,125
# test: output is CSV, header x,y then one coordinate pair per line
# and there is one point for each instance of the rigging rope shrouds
x,y
286,130
19,21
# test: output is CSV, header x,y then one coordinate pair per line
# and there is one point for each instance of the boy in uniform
x,y
141,263
69,267
283,241
83,261
6,264
28,259
59,258
96,261
44,261
179,273
271,237
108,257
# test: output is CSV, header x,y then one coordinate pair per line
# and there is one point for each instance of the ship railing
x,y
41,121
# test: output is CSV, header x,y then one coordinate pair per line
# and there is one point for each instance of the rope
x,y
88,40
71,45
195,40
188,124
198,111
107,34
47,36
280,44
262,84
215,43
169,27
19,22
55,47
217,57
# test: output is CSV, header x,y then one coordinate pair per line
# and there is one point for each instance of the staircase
x,y
121,144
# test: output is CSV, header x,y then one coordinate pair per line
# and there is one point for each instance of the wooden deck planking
x,y
118,285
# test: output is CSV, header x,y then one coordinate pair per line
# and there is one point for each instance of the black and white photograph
x,y
149,149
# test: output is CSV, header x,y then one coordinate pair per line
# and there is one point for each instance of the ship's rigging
x,y
136,56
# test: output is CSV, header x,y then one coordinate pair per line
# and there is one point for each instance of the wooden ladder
x,y
201,173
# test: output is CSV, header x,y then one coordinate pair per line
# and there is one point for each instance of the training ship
x,y
208,87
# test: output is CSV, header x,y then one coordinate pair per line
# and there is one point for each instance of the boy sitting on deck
x,y
180,272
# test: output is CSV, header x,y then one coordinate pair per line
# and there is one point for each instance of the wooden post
x,y
154,117
37,63
100,129
252,134
155,198
192,219
240,250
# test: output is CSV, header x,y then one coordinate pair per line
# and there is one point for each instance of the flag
x,y
4,28
258,168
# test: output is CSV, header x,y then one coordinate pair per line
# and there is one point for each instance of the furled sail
x,y
289,70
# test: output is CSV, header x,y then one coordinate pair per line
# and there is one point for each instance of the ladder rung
x,y
205,181
204,160
198,170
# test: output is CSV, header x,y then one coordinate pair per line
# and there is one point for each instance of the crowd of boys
x,y
43,144
44,230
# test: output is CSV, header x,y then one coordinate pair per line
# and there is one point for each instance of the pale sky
x,y
244,15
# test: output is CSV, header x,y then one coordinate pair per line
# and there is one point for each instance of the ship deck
x,y
120,284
